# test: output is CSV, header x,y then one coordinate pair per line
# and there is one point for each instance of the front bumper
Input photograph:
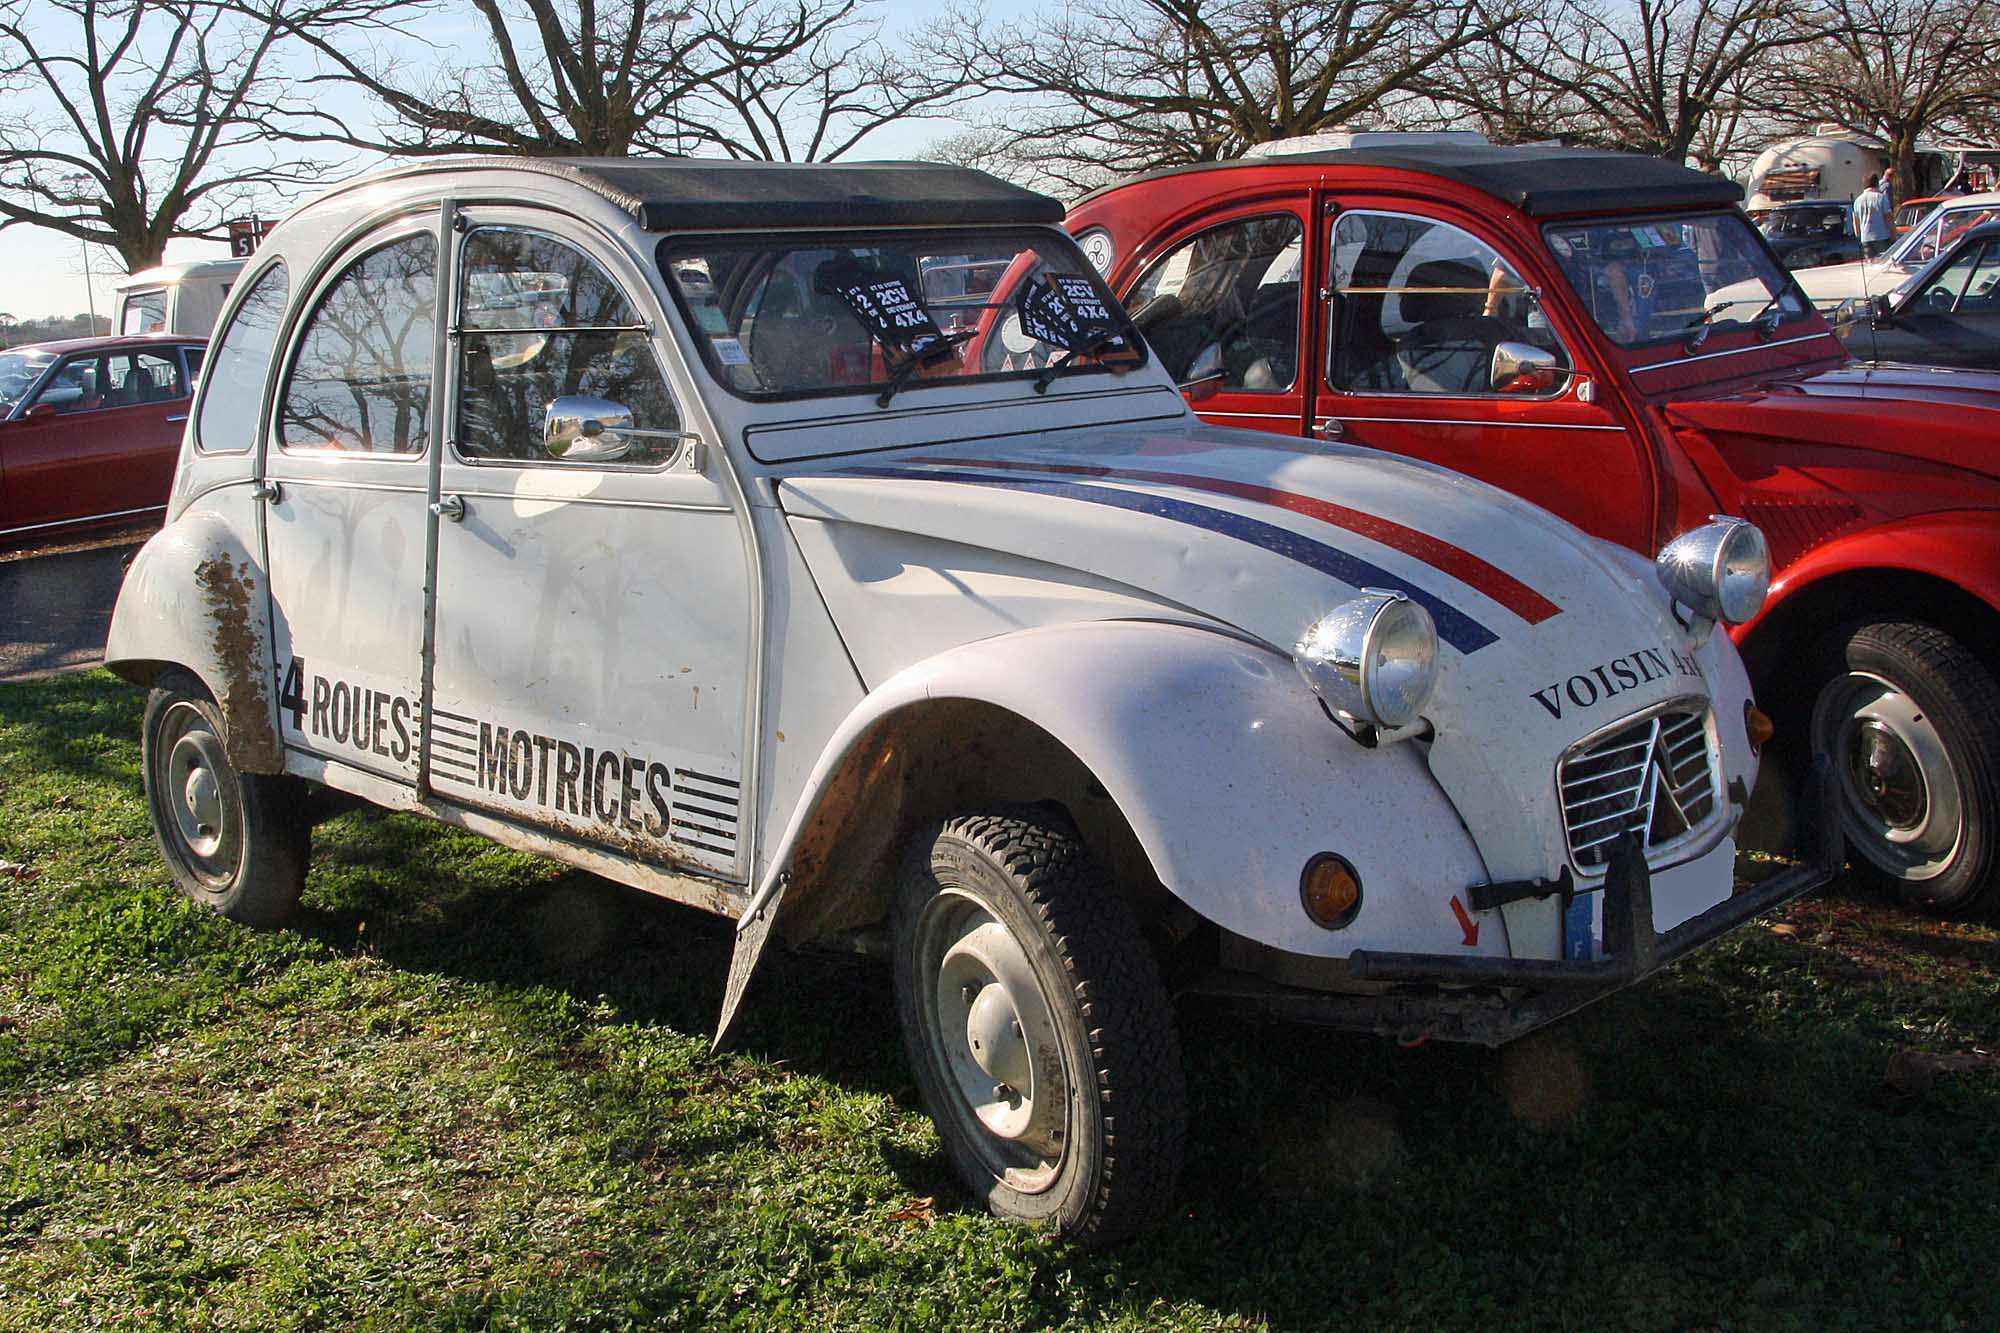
x,y
1491,1001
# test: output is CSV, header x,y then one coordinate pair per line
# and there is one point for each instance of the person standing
x,y
1871,218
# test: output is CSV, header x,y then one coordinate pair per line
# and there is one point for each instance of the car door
x,y
346,523
1223,307
593,630
1418,308
97,442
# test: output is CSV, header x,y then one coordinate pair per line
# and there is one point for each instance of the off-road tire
x,y
1950,696
1124,1096
235,842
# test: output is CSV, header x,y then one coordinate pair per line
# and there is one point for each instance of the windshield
x,y
1826,221
18,373
1652,282
799,316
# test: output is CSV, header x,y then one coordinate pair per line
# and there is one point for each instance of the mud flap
x,y
753,932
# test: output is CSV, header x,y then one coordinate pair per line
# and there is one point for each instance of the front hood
x,y
1927,413
1546,634
1829,284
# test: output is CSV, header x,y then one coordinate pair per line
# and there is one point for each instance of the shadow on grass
x,y
1669,1158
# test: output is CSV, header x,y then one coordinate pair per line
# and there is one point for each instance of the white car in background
x,y
726,572
1833,284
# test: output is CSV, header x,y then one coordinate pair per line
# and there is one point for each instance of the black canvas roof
x,y
682,194
1544,181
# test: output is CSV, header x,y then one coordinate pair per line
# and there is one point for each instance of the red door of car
x,y
1222,303
99,441
1418,307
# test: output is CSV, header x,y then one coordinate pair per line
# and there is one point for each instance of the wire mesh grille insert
x,y
1655,777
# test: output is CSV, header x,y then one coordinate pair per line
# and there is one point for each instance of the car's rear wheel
x,y
1911,723
1038,1027
234,842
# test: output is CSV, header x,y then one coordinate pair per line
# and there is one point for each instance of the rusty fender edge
x,y
1479,1010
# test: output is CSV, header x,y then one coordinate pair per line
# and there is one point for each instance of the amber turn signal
x,y
1330,891
1759,727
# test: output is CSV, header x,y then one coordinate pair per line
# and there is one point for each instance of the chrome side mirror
x,y
1525,368
577,428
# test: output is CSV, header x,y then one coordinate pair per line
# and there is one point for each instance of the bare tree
x,y
131,122
1112,86
762,79
1674,78
1903,69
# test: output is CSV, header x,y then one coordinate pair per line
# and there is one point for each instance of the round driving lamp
x,y
1720,571
1373,659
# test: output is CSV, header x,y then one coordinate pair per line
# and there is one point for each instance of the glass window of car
x,y
361,379
76,386
1938,231
1420,307
780,317
539,321
145,312
132,379
1227,300
227,421
1661,281
192,356
1965,285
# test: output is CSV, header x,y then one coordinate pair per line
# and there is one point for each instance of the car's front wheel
x,y
1911,722
1038,1027
235,842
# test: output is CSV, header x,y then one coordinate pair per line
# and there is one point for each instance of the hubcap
x,y
1900,799
203,803
993,1036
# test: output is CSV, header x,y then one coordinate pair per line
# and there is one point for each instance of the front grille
x,y
1654,776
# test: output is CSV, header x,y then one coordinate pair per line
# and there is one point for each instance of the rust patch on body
x,y
238,641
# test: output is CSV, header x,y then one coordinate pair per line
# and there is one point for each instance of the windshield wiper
x,y
901,374
1097,346
1699,329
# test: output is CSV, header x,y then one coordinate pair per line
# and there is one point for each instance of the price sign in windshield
x,y
1066,311
893,315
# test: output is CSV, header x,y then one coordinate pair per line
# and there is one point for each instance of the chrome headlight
x,y
1719,571
1374,658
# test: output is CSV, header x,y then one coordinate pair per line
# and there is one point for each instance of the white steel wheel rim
x,y
991,1033
1900,798
203,803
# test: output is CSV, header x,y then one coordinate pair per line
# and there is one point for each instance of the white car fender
x,y
1226,770
194,599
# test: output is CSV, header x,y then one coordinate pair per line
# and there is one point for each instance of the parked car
x,y
1809,234
757,592
1835,283
1946,315
89,431
1913,211
1608,337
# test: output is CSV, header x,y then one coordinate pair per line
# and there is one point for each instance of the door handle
x,y
266,490
1329,428
450,508
182,417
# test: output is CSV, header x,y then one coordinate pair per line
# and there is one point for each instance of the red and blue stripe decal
x,y
1455,627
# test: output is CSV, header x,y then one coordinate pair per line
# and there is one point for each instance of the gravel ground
x,y
55,604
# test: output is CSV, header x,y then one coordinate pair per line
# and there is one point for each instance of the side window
x,y
362,378
136,378
1420,307
1227,300
539,321
1965,285
227,421
192,357
77,386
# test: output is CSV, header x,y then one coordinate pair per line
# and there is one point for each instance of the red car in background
x,y
1608,336
89,431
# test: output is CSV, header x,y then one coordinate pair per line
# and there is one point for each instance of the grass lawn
x,y
472,1090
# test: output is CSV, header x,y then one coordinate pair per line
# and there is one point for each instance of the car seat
x,y
1450,347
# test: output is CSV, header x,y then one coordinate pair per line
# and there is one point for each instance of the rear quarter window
x,y
239,367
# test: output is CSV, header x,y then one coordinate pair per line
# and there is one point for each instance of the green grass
x,y
471,1090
